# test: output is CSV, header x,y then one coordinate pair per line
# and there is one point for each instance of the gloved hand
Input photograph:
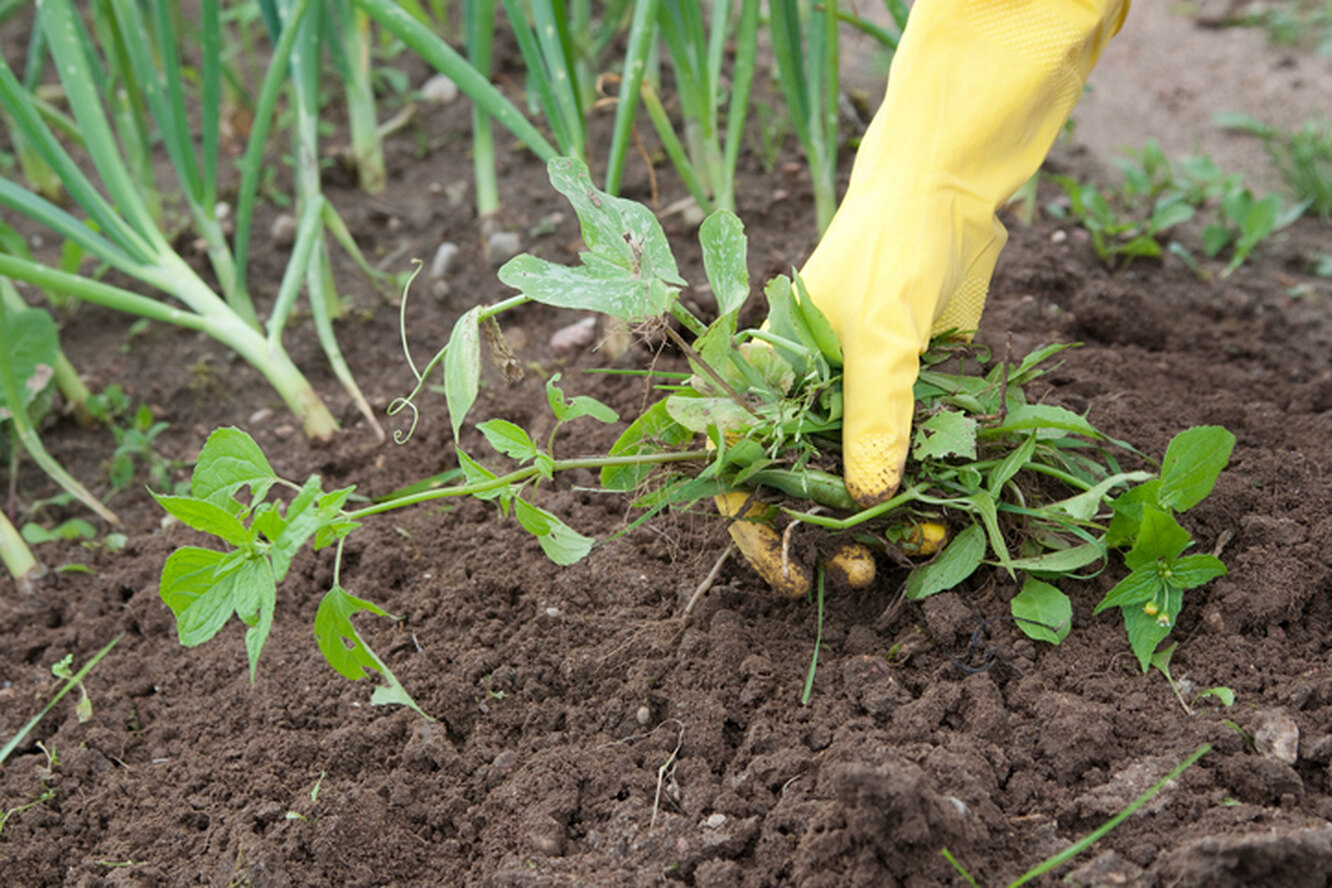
x,y
979,90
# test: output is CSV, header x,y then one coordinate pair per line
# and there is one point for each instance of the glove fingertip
x,y
873,468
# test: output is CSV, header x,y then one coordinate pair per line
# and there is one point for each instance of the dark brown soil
x,y
586,734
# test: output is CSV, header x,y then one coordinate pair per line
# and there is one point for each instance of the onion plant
x,y
804,40
119,229
349,44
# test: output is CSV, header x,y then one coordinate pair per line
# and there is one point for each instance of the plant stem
x,y
523,474
367,151
480,23
14,552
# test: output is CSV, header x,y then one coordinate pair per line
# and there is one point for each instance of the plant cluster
x,y
1158,195
1033,489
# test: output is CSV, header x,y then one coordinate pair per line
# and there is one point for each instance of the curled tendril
x,y
399,436
402,325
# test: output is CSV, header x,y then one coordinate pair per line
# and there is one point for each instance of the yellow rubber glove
x,y
978,91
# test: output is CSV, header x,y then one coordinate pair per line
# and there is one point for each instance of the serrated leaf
x,y
508,439
566,409
475,473
722,236
462,368
652,432
304,517
346,652
955,563
561,543
186,575
230,459
204,516
946,433
256,610
1193,460
1042,612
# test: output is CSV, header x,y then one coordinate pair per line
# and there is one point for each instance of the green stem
x,y
14,552
367,151
641,31
519,475
909,495
818,640
480,22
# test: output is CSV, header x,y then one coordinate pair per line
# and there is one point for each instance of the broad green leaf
x,y
582,405
204,516
652,432
786,321
1044,417
775,373
1042,612
946,433
1192,463
561,543
475,473
700,414
1194,570
230,459
1224,694
187,575
508,439
1138,588
722,236
1060,561
955,563
1160,538
1128,508
628,270
33,346
462,368
261,598
346,652
1144,634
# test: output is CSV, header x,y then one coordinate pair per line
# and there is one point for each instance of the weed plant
x,y
1031,489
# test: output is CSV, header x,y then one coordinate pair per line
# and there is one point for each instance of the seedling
x,y
1161,662
1303,157
1033,489
70,681
134,439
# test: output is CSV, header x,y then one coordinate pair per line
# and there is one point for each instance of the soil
x,y
586,733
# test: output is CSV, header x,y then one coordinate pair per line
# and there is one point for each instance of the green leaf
x,y
1160,538
700,414
1195,570
304,517
187,575
256,612
230,460
1144,634
1085,505
946,433
73,529
204,516
1044,417
1060,561
1224,694
653,432
33,347
722,236
462,368
1192,463
582,405
1128,506
628,271
955,563
561,543
475,473
786,321
346,652
1139,587
508,439
1011,465
817,323
1042,612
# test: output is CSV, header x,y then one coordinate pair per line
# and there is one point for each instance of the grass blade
x,y
71,682
642,30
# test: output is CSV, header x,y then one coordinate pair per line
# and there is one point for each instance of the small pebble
x,y
1059,237
444,256
1277,736
439,89
283,230
261,416
715,821
503,246
644,715
552,612
579,334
